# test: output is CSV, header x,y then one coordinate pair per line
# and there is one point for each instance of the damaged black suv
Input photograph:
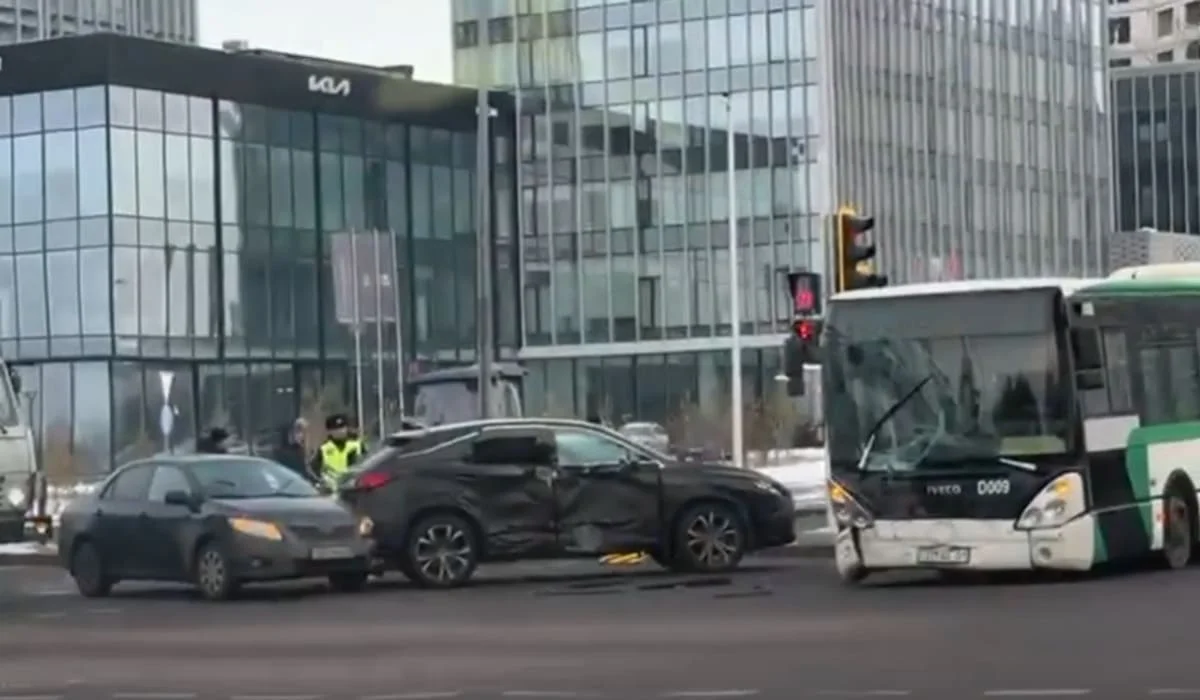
x,y
440,501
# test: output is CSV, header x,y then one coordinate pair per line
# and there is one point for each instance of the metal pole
x,y
483,237
382,420
354,301
399,325
735,302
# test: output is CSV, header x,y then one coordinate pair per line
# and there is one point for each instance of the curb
x,y
38,559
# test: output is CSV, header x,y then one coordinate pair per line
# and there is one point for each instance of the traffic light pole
x,y
735,301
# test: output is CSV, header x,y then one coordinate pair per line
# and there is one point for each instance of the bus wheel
x,y
1179,538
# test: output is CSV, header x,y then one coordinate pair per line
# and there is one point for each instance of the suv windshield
x,y
978,377
249,478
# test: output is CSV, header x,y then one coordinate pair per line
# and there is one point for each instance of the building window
x,y
558,24
500,30
1118,30
530,27
1191,12
1165,56
1193,51
1166,21
1120,62
466,34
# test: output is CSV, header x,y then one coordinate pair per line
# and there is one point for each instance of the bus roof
x,y
1137,286
1067,284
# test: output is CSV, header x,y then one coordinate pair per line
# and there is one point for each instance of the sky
x,y
375,32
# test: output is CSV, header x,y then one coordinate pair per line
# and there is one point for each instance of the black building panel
x,y
263,78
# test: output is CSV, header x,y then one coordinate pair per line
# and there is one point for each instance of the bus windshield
x,y
933,382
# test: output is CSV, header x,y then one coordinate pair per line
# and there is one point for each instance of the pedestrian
x,y
292,451
338,453
215,442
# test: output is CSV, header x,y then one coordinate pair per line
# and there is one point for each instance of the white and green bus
x,y
1015,424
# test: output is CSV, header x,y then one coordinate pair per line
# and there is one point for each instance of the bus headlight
x,y
847,512
1057,502
15,497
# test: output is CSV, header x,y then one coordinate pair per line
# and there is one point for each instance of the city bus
x,y
1030,424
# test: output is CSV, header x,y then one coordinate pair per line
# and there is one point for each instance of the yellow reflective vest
x,y
335,460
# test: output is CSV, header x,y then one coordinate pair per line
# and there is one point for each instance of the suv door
x,y
511,473
117,520
606,493
164,525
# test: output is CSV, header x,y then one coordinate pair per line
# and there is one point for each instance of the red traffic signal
x,y
804,329
804,288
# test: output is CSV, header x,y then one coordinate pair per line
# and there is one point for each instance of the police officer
x,y
338,453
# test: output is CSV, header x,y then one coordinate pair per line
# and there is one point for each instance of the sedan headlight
x,y
15,497
256,528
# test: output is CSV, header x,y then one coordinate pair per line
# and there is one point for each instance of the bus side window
x,y
1089,359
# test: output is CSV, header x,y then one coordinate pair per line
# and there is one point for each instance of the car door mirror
x,y
180,498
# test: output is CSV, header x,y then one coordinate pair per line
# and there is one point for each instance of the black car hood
x,y
286,510
713,470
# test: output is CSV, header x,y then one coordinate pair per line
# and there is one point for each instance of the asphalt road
x,y
782,630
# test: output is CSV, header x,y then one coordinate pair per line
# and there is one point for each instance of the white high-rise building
x,y
1142,32
32,20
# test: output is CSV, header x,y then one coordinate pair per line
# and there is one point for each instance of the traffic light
x,y
801,348
855,258
804,288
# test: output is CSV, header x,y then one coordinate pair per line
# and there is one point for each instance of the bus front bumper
x,y
973,545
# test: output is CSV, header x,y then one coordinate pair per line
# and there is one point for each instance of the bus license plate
x,y
326,553
944,556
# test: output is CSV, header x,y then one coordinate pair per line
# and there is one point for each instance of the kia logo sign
x,y
329,85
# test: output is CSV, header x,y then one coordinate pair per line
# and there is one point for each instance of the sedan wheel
x,y
214,579
441,552
710,539
87,568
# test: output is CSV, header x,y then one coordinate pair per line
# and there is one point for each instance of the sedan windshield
x,y
946,386
239,477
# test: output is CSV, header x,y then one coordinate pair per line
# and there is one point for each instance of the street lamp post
x,y
483,237
735,302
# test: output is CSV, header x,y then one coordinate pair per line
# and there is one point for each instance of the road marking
x,y
104,611
50,615
1037,692
414,696
540,694
710,694
275,697
1175,691
865,693
153,696
30,697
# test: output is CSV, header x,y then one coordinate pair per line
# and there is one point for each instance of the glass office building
x,y
976,132
186,236
626,109
1156,137
34,20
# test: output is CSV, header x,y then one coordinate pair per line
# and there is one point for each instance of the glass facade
x,y
626,111
976,132
34,20
162,253
1156,137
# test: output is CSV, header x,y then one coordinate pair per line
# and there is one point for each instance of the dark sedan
x,y
217,521
442,500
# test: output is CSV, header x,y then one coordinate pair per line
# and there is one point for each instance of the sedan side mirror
x,y
179,498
